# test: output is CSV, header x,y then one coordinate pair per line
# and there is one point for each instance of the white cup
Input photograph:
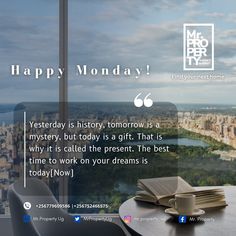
x,y
183,203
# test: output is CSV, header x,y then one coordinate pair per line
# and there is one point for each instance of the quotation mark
x,y
147,102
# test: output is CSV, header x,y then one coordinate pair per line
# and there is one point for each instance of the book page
x,y
165,186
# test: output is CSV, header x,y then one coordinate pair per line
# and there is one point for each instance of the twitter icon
x,y
77,219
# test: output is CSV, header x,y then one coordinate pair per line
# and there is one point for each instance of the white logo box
x,y
202,36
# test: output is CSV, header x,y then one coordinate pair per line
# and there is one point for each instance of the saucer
x,y
196,212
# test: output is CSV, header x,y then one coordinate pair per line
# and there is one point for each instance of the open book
x,y
160,190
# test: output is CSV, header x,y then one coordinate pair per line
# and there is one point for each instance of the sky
x,y
132,33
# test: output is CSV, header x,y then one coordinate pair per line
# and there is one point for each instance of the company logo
x,y
26,218
198,47
127,219
77,219
182,219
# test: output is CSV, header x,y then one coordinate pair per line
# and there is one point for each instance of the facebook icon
x,y
26,218
182,219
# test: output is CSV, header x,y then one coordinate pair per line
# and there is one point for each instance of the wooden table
x,y
150,220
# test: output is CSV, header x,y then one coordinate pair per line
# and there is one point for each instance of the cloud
x,y
126,9
30,42
154,44
231,18
215,14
